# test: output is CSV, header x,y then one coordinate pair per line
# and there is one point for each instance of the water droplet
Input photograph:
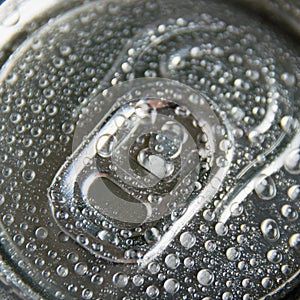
x,y
288,79
289,212
265,188
2,199
294,192
227,296
151,235
62,271
120,280
171,286
152,291
205,277
270,230
236,209
274,256
138,280
80,268
188,262
187,240
221,229
97,279
41,233
232,254
287,123
87,294
105,145
153,268
210,246
267,282
28,175
8,219
294,241
292,162
172,261
12,19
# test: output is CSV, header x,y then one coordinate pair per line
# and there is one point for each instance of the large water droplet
x,y
270,230
294,192
292,162
205,277
171,286
187,240
120,280
294,241
265,188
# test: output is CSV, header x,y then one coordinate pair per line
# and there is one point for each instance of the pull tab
x,y
146,158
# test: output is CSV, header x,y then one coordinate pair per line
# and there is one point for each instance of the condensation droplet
x,y
292,162
41,233
120,280
205,277
171,286
294,192
294,241
274,256
187,240
270,230
266,188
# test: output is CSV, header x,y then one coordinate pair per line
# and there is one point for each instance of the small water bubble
x,y
287,123
105,145
292,162
267,282
171,286
294,241
152,235
294,192
218,52
19,239
152,291
62,271
126,67
8,219
289,79
274,256
286,269
265,188
208,215
73,257
196,52
187,240
67,127
227,296
221,229
2,199
153,268
41,233
188,262
236,209
210,246
87,294
80,268
28,175
172,261
138,280
289,212
270,230
233,254
120,280
237,113
205,277
12,19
